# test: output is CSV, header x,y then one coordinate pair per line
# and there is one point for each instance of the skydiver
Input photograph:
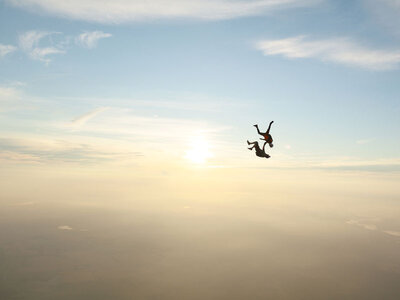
x,y
259,152
267,137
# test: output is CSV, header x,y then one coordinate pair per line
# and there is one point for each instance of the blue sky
x,y
151,76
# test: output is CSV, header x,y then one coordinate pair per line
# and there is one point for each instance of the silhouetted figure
x,y
259,152
267,137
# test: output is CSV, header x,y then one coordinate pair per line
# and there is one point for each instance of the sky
x,y
124,164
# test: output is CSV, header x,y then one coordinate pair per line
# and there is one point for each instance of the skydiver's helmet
x,y
271,145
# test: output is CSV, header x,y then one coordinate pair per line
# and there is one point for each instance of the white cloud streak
x,y
64,227
90,39
68,149
29,42
119,11
367,226
6,49
39,45
338,50
392,232
79,121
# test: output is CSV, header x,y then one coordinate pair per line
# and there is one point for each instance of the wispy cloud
x,y
64,227
79,121
30,40
40,45
366,225
6,49
17,157
392,232
39,150
369,224
90,39
338,50
119,11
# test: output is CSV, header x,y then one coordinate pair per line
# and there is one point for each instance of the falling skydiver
x,y
259,152
266,136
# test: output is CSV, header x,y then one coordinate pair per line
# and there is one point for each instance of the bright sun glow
x,y
199,151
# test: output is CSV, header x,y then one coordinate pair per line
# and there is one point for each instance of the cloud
x,y
6,49
39,45
367,226
29,43
393,233
16,157
79,121
338,50
119,11
90,39
67,149
64,227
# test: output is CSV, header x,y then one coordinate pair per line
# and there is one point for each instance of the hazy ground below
x,y
201,244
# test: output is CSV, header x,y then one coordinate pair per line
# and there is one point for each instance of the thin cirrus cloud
x,y
119,11
90,39
42,149
30,41
64,227
392,232
6,49
337,50
79,121
368,224
42,45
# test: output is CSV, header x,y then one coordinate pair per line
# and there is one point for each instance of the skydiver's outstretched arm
x,y
269,127
264,146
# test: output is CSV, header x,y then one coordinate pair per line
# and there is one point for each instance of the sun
x,y
199,151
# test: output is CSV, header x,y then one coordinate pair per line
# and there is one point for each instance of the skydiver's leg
x,y
269,127
251,143
264,146
258,130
